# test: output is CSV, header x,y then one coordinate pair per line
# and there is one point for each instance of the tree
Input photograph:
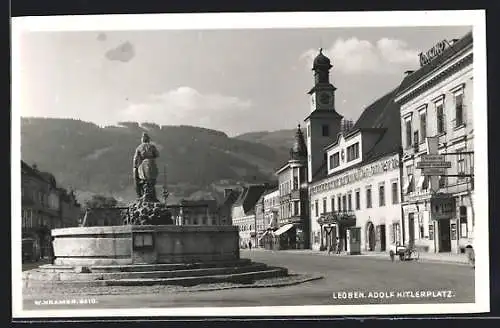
x,y
100,201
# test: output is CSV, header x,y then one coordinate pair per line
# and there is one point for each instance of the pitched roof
x,y
249,197
447,54
383,118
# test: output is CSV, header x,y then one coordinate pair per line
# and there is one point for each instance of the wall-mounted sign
x,y
356,175
435,51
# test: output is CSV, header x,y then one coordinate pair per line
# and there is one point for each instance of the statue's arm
x,y
137,159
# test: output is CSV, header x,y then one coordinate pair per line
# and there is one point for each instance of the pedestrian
x,y
337,243
250,245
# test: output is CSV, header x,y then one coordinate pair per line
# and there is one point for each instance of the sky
x,y
235,81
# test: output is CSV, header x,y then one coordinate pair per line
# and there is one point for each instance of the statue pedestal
x,y
143,212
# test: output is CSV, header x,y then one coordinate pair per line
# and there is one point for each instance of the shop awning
x,y
283,229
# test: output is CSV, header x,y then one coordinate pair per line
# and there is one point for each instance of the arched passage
x,y
370,236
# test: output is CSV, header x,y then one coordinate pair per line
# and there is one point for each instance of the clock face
x,y
324,98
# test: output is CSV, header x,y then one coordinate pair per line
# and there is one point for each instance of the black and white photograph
x,y
249,164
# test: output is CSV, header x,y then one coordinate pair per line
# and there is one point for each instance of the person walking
x,y
250,245
337,244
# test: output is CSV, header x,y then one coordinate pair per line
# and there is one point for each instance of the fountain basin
x,y
151,244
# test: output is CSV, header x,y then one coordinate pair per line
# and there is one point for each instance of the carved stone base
x,y
148,213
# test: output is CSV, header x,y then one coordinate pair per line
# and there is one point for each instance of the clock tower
x,y
323,122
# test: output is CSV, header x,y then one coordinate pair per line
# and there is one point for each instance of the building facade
x,y
267,217
294,228
243,213
437,112
44,207
200,212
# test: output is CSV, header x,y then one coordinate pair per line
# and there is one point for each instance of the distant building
x,y
243,212
294,227
270,202
225,208
44,207
200,212
437,101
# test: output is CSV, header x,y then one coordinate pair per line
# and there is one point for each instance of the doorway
x,y
382,238
371,236
444,235
411,229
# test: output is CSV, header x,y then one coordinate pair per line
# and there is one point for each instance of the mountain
x,y
199,162
281,140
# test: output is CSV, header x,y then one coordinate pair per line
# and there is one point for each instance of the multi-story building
x,y
243,212
200,212
294,228
44,207
355,180
270,219
436,102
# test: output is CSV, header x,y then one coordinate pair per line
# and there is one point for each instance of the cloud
x,y
353,56
124,52
188,106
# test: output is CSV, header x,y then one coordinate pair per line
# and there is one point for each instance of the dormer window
x,y
353,152
334,160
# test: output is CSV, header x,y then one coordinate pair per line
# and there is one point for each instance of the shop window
x,y
431,232
395,233
453,228
464,233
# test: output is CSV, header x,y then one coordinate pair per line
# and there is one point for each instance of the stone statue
x,y
147,209
145,170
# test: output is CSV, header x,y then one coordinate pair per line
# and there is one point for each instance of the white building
x,y
436,101
354,176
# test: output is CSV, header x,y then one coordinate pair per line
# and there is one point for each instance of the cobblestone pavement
x,y
371,278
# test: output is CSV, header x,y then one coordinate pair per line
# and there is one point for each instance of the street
x,y
369,281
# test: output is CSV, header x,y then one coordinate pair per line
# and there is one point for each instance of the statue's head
x,y
145,137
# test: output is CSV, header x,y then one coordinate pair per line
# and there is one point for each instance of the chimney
x,y
227,192
406,73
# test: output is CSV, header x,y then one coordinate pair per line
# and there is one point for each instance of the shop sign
x,y
357,175
443,209
432,53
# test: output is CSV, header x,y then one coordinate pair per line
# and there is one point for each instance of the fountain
x,y
148,248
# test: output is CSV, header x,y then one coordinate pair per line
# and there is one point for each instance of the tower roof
x,y
299,148
321,61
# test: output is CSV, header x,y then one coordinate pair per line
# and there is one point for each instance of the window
x,y
325,130
316,207
358,200
460,164
415,138
339,204
395,196
324,205
459,109
295,183
420,227
410,184
395,233
442,181
353,152
440,118
349,202
423,126
296,207
344,203
369,197
431,231
334,160
381,195
464,233
408,133
332,200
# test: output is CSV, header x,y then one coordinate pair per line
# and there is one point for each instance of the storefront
x,y
333,225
